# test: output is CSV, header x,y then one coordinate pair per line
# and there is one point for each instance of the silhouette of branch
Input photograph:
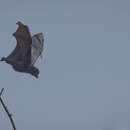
x,y
6,110
1,91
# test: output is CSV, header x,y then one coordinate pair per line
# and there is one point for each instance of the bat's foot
x,y
34,71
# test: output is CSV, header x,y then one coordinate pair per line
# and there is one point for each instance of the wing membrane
x,y
24,41
37,47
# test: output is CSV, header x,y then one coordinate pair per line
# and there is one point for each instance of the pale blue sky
x,y
84,80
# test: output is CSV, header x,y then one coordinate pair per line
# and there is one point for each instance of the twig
x,y
7,111
1,91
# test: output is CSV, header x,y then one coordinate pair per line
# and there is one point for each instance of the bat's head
x,y
3,59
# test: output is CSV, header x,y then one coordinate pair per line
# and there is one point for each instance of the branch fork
x,y
7,111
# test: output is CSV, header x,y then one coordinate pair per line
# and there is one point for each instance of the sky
x,y
84,80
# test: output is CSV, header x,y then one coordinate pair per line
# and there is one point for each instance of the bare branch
x,y
1,91
7,111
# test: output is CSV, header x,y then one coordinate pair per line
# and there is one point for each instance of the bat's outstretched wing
x,y
36,47
22,52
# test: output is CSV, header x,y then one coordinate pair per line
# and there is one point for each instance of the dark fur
x,y
20,58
